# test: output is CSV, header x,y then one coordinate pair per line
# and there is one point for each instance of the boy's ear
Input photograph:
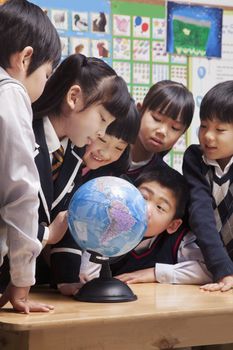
x,y
20,61
174,225
74,97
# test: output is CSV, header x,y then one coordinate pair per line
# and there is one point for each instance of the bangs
x,y
126,128
218,103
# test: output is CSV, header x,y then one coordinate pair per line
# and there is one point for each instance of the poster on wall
x,y
84,26
194,30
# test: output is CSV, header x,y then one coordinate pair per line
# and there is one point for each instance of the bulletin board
x,y
83,26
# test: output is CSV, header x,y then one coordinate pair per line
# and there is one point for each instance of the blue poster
x,y
194,30
83,26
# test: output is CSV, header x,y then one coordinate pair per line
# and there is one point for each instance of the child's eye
x,y
202,126
103,119
119,149
176,129
144,195
102,140
161,208
156,118
220,130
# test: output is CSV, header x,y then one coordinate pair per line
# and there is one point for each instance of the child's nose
x,y
105,154
162,129
209,135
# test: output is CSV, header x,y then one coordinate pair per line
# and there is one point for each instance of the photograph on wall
x,y
194,30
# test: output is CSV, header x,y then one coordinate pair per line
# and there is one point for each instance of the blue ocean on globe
x,y
107,215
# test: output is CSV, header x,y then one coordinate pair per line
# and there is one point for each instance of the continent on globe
x,y
108,216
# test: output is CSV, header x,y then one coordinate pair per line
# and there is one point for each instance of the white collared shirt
x,y
52,139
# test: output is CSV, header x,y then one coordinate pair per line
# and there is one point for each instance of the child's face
x,y
83,127
161,209
159,133
36,81
216,140
103,151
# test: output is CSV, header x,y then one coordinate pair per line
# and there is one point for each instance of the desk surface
x,y
163,316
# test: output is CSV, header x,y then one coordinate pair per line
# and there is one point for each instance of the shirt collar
x,y
51,137
218,171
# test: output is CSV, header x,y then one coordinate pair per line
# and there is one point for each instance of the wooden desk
x,y
164,316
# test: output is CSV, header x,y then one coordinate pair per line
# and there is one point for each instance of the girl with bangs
x,y
166,113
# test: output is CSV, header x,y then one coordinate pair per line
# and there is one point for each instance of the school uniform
x,y
175,257
136,168
19,183
55,195
211,209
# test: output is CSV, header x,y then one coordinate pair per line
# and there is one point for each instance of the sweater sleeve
x,y
190,267
19,184
201,216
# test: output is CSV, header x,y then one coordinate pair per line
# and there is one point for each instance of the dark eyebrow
x,y
144,187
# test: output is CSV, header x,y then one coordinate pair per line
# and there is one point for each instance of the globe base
x,y
109,290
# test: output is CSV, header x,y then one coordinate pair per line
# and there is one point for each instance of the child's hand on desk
x,y
58,228
18,297
140,276
225,284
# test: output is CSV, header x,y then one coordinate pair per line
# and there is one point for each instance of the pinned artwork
x,y
121,25
80,45
100,48
121,48
80,21
194,30
141,27
100,22
59,19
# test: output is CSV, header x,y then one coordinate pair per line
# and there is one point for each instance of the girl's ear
x,y
174,225
139,106
74,97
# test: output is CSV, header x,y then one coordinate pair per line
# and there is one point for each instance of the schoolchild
x,y
107,155
168,253
29,50
80,100
209,172
166,113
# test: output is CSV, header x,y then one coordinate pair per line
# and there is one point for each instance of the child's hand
x,y
140,276
18,297
68,289
58,228
225,284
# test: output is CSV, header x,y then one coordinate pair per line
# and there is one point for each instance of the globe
x,y
107,215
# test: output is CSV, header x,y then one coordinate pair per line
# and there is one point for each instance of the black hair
x,y
128,127
172,99
25,24
218,103
171,179
98,81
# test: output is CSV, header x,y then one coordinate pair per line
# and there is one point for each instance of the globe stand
x,y
105,288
